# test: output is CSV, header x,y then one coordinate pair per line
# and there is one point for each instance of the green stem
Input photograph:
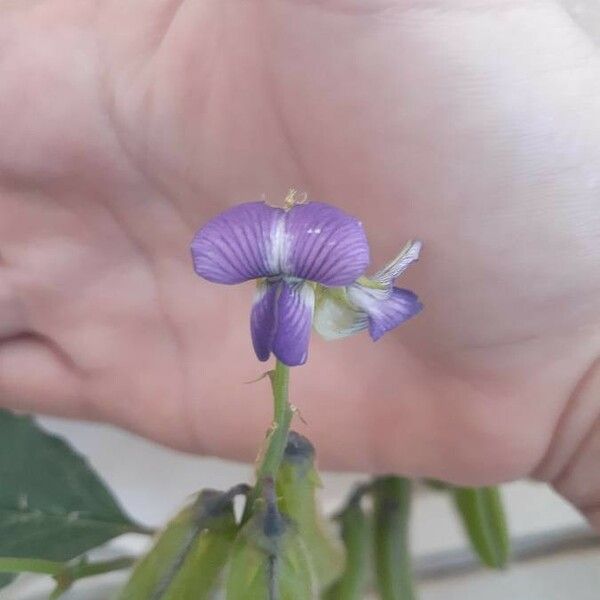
x,y
277,438
391,497
356,529
73,572
60,569
30,565
81,570
282,419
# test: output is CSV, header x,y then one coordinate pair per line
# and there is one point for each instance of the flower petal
x,y
241,243
335,318
262,318
295,307
385,313
398,265
324,245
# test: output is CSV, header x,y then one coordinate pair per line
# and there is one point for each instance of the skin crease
x,y
471,125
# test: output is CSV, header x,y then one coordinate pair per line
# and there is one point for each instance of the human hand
x,y
471,125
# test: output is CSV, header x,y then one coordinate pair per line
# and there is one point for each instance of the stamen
x,y
292,199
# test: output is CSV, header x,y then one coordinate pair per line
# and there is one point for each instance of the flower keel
x,y
295,308
263,318
281,320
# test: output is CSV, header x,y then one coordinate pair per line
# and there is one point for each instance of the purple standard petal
x,y
295,307
239,244
325,245
386,314
262,318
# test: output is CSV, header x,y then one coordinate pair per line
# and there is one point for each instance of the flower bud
x,y
268,560
297,482
188,556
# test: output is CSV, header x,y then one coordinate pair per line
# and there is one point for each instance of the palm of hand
x,y
467,128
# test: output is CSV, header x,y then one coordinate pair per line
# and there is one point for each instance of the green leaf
x,y
484,521
188,557
357,537
64,573
52,504
392,496
297,482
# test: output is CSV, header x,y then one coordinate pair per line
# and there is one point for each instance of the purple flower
x,y
288,250
308,260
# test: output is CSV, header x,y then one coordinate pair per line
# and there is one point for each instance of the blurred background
x,y
556,556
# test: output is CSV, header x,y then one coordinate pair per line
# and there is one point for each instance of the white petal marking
x,y
397,266
278,248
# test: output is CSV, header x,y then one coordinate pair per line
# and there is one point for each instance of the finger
x,y
571,460
12,314
12,320
35,376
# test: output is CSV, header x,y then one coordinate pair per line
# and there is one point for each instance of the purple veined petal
x,y
395,268
325,245
262,318
388,314
295,307
244,242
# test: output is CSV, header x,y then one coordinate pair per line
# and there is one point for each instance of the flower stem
x,y
64,572
85,569
357,534
30,565
70,574
391,496
277,438
282,418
